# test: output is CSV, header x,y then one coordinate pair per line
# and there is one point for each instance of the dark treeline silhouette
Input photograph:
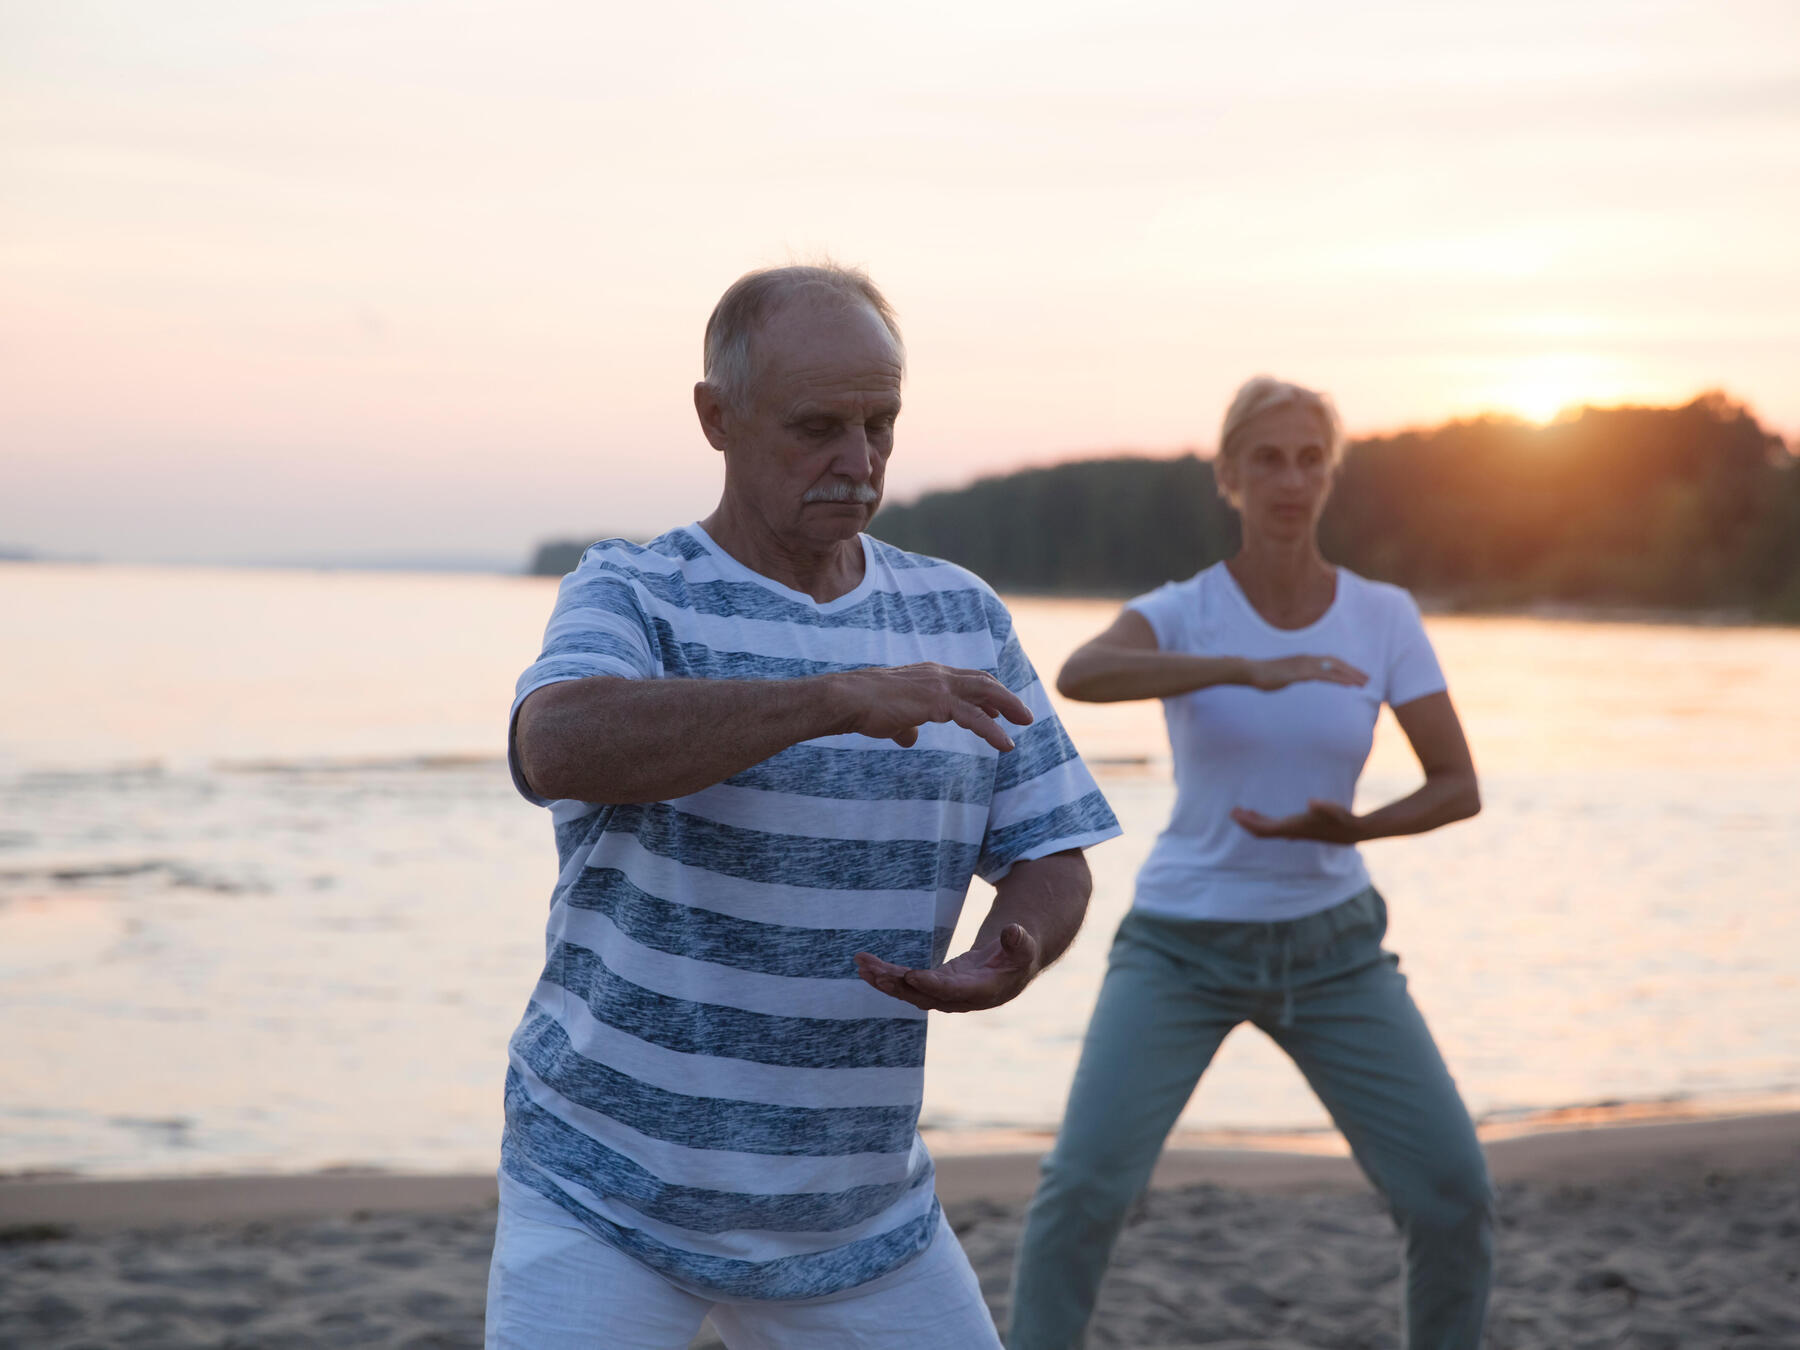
x,y
556,557
1690,507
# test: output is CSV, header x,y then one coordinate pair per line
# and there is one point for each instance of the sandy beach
x,y
1656,1236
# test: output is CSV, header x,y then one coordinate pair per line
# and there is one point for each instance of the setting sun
x,y
1538,389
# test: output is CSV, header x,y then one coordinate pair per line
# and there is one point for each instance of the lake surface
x,y
268,900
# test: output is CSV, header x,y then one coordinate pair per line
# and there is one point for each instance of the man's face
x,y
809,453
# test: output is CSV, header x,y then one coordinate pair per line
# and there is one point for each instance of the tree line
x,y
1691,507
1695,507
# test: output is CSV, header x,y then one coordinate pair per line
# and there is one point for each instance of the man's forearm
x,y
1047,897
617,740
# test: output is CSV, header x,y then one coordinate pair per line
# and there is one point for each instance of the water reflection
x,y
267,898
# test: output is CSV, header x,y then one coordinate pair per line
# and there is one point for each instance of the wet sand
x,y
1672,1235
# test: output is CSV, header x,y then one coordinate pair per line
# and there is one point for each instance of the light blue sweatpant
x,y
1328,995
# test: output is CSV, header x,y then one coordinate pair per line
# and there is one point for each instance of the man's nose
x,y
855,458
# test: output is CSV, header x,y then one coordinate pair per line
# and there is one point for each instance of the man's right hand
x,y
985,976
1282,671
893,702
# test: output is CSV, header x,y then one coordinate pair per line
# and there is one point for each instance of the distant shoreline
x,y
1554,611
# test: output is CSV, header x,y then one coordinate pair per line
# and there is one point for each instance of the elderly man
x,y
775,751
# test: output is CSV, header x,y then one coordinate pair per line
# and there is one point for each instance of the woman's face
x,y
1281,474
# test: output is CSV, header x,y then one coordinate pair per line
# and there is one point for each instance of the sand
x,y
1681,1235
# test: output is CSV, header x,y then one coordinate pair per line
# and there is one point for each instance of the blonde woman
x,y
1254,905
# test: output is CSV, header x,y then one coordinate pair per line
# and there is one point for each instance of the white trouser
x,y
553,1285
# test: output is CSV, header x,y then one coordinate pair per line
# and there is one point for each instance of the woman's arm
x,y
1450,791
1125,662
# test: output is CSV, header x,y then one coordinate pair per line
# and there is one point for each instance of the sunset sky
x,y
296,278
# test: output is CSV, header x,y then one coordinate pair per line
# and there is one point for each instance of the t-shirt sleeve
x,y
597,628
1413,670
1165,609
1045,800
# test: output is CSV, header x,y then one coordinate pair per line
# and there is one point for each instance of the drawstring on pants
x,y
1267,975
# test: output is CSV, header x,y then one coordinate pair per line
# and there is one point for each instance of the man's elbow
x,y
538,749
539,773
555,776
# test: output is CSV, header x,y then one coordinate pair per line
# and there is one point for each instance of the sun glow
x,y
1540,388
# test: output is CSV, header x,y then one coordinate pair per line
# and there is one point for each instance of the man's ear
x,y
714,416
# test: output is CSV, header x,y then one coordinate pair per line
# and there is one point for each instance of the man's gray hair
x,y
1264,394
730,366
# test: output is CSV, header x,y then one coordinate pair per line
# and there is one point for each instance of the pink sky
x,y
300,278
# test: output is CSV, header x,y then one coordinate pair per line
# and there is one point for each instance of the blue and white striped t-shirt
x,y
701,1078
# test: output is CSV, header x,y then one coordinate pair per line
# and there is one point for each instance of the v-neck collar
x,y
738,569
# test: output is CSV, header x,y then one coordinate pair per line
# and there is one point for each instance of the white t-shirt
x,y
1271,752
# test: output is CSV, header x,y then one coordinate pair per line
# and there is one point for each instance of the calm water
x,y
267,899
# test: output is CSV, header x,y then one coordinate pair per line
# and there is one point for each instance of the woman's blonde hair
x,y
1263,394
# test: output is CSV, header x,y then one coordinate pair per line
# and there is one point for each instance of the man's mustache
x,y
863,494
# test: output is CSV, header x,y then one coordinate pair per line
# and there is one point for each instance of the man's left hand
x,y
985,976
1326,822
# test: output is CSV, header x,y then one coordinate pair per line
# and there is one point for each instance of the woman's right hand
x,y
1281,671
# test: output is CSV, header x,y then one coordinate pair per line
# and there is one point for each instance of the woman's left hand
x,y
1326,822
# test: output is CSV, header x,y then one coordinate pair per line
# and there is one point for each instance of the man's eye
x,y
818,430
